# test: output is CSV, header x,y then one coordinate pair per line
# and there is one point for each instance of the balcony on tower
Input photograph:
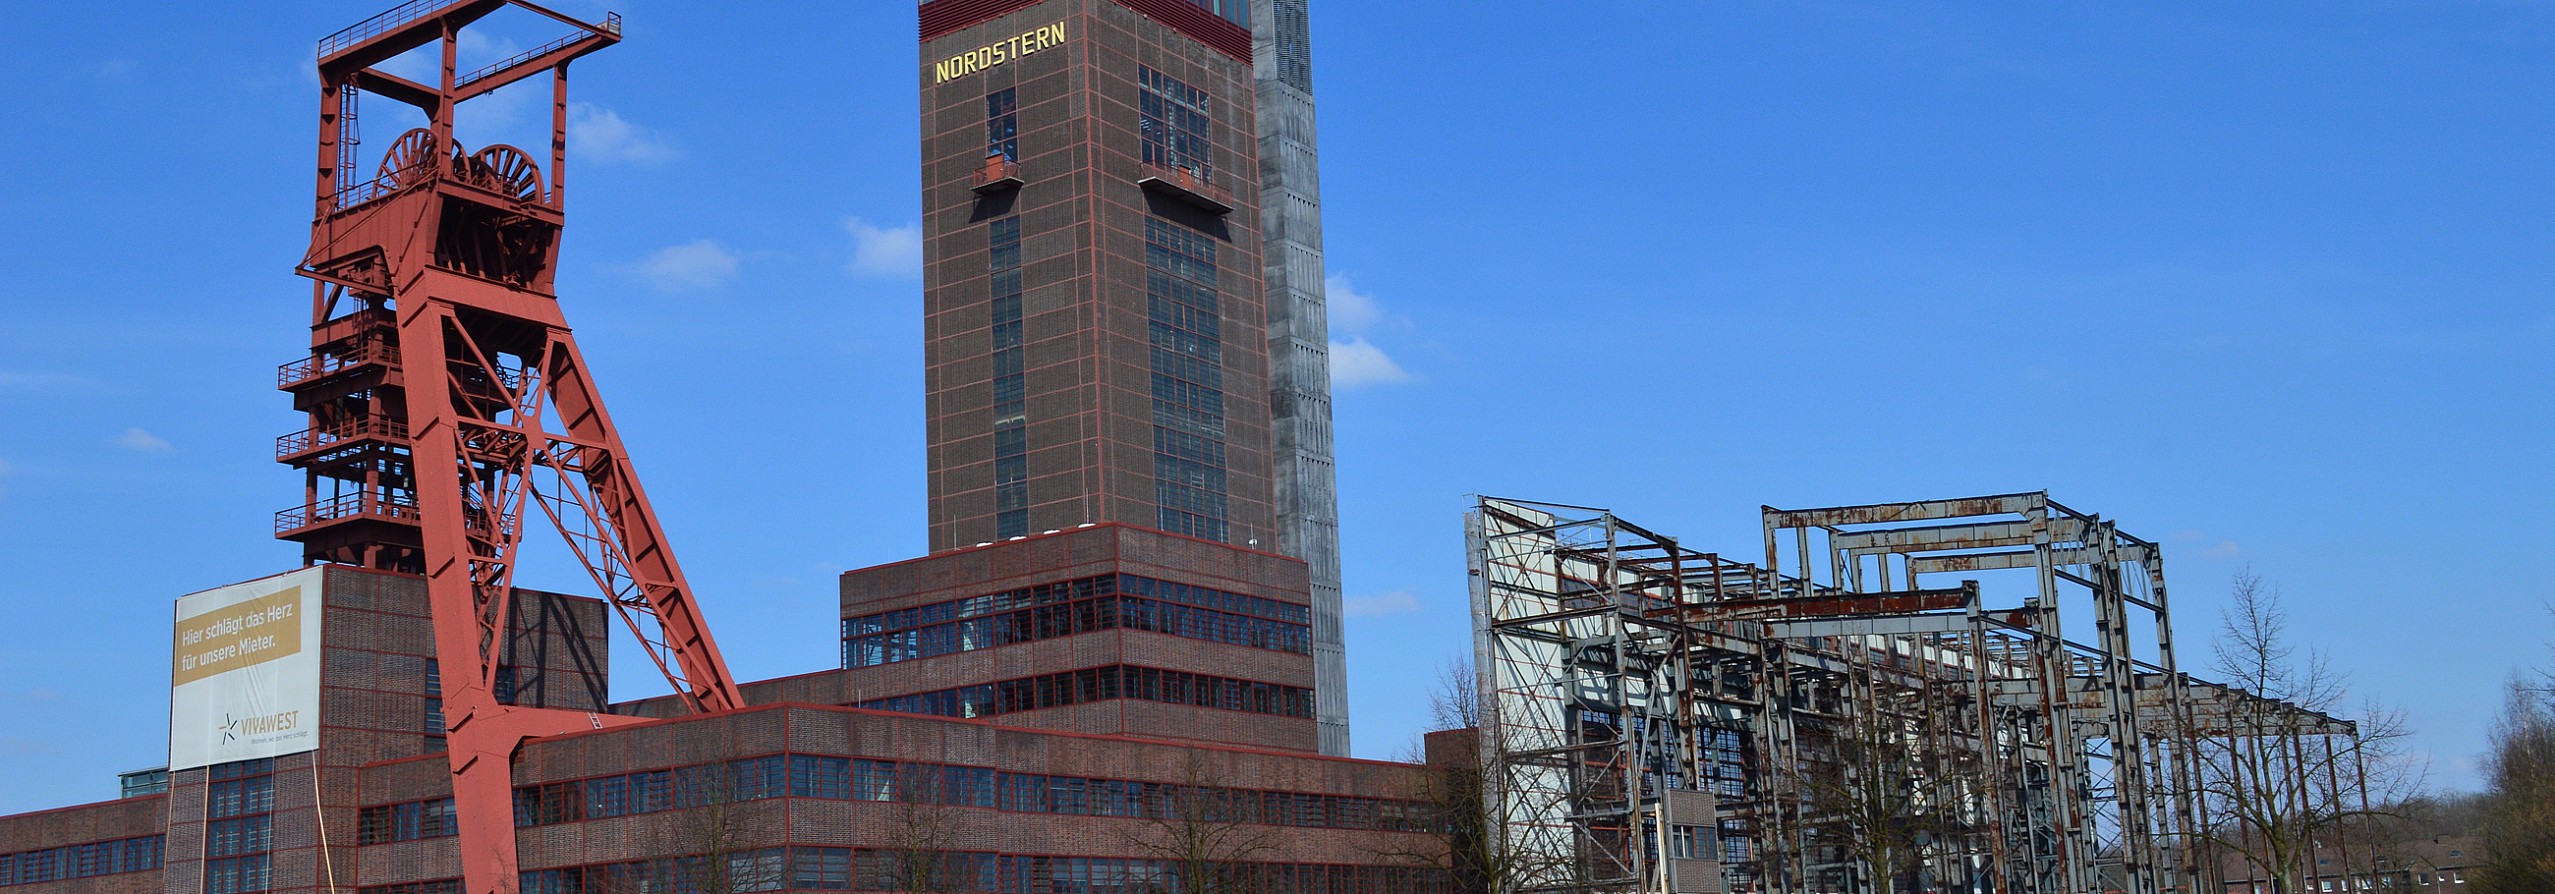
x,y
1185,185
300,522
340,359
320,441
999,173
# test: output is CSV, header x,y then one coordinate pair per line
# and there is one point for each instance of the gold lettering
x,y
994,54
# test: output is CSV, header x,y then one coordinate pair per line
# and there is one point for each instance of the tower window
x,y
1011,417
1188,380
1002,124
1236,11
1174,119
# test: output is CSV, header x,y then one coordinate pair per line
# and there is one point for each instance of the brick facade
x,y
1083,553
1086,345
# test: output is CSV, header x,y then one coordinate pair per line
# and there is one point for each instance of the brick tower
x,y
1103,513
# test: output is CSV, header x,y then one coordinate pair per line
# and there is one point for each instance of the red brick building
x,y
1104,654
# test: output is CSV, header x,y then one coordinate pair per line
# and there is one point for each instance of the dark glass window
x,y
974,872
1185,328
1175,119
1011,415
1103,683
438,886
1236,11
406,822
1066,608
432,723
80,861
1002,124
239,828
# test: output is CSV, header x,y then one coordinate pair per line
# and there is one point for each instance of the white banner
x,y
244,682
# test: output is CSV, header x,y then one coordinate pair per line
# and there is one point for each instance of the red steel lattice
x,y
448,400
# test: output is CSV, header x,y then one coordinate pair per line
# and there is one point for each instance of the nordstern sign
x,y
244,678
998,52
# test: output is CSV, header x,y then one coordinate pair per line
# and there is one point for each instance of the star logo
x,y
230,728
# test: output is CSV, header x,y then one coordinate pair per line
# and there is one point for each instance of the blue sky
x,y
2265,282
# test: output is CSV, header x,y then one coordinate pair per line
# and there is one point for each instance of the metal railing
x,y
324,364
1200,188
356,505
359,193
474,380
316,438
611,25
379,25
997,172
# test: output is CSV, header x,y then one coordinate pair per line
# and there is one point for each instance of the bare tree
x,y
1892,786
719,822
918,861
2279,780
1469,797
2519,817
1203,833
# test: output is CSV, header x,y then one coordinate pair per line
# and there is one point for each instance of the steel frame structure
x,y
447,396
2061,741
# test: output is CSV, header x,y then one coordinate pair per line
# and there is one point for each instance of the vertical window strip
x,y
1185,328
1002,125
240,827
1011,416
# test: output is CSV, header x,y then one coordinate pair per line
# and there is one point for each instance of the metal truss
x,y
447,396
2051,740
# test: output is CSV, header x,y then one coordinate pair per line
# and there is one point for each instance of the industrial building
x,y
1119,666
1842,715
1118,669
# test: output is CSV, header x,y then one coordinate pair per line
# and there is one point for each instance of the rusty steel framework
x,y
2051,743
446,395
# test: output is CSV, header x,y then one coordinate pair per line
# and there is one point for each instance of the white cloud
x,y
1356,362
2223,549
1359,363
885,251
146,442
1398,602
599,134
698,264
1350,310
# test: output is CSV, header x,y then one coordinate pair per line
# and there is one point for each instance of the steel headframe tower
x,y
446,395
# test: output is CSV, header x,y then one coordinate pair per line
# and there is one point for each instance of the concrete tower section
x,y
1308,507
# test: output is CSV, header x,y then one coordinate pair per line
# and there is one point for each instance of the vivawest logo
x,y
235,728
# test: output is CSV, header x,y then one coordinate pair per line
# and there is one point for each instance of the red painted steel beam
x,y
503,422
